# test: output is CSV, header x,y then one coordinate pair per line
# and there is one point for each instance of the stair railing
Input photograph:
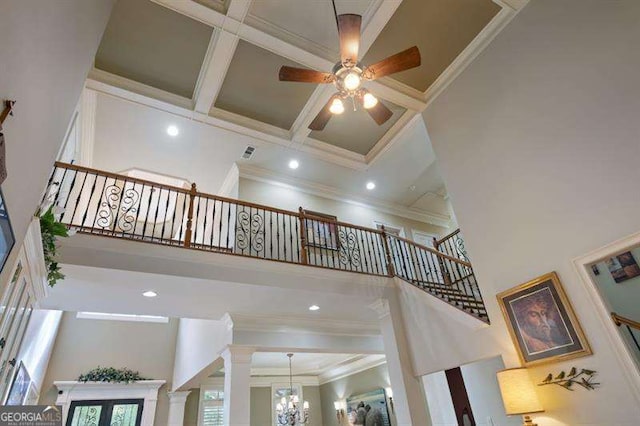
x,y
442,275
629,324
452,245
108,204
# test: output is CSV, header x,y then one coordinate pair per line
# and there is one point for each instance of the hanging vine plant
x,y
111,375
51,230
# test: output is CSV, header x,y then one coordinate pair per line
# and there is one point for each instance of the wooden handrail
x,y
446,237
119,177
619,320
429,249
210,196
8,107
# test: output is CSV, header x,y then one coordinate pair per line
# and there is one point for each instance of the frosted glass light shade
x,y
518,393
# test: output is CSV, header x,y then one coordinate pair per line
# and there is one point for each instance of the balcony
x,y
119,206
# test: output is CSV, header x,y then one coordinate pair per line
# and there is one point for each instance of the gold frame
x,y
564,300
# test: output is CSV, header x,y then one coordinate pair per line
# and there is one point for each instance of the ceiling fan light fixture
x,y
352,81
369,101
337,107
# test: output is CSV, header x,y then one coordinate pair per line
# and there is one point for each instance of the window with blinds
x,y
211,401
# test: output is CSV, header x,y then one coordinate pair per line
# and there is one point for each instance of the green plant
x,y
111,375
51,229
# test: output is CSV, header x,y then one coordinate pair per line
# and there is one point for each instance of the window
x,y
122,317
120,412
211,407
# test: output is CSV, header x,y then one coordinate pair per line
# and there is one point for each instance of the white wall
x,y
129,135
37,346
530,138
436,390
291,199
484,393
84,344
47,48
198,345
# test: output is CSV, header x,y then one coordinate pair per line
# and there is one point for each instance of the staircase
x,y
106,204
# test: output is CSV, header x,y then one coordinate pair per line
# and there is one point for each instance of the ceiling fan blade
x,y
303,75
402,61
349,32
323,117
380,113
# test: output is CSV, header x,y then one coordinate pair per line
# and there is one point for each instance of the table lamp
x,y
518,394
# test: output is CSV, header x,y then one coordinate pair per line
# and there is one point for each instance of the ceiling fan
x,y
348,74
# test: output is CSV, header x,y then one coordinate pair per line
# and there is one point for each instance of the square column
x,y
237,385
177,401
410,404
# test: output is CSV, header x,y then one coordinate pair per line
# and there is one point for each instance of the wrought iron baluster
x,y
75,207
166,212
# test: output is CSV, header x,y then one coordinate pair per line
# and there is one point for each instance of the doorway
x,y
121,412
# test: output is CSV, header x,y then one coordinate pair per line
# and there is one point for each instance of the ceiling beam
x,y
222,47
141,94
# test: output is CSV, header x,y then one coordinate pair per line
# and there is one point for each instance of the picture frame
x,y
623,267
376,401
322,230
542,323
7,238
19,386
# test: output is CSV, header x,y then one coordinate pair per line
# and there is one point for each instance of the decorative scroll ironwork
x,y
349,251
250,231
109,206
460,248
120,206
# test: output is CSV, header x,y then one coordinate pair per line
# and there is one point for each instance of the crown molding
x,y
246,322
325,191
265,381
340,372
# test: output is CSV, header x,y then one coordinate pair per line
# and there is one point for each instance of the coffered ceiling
x,y
221,59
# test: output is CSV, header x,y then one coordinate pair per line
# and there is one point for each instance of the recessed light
x,y
173,130
293,164
149,293
314,307
371,186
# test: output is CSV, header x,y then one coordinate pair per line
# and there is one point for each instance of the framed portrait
x,y
19,387
541,321
322,230
623,267
368,408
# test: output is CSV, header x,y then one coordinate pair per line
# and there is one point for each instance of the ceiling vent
x,y
248,153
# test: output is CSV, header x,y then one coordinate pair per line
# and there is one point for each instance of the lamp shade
x,y
518,393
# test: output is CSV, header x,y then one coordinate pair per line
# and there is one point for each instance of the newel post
x,y
187,234
303,237
390,269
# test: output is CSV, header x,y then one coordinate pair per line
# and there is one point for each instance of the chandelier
x,y
288,409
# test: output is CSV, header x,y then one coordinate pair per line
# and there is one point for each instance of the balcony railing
x,y
108,204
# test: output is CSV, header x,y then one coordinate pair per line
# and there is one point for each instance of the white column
x,y
177,401
410,405
237,384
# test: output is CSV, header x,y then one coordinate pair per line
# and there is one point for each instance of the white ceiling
x,y
118,291
303,363
302,31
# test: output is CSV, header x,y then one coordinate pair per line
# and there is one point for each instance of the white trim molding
x,y
616,341
69,391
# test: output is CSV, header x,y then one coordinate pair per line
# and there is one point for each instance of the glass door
x,y
116,412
